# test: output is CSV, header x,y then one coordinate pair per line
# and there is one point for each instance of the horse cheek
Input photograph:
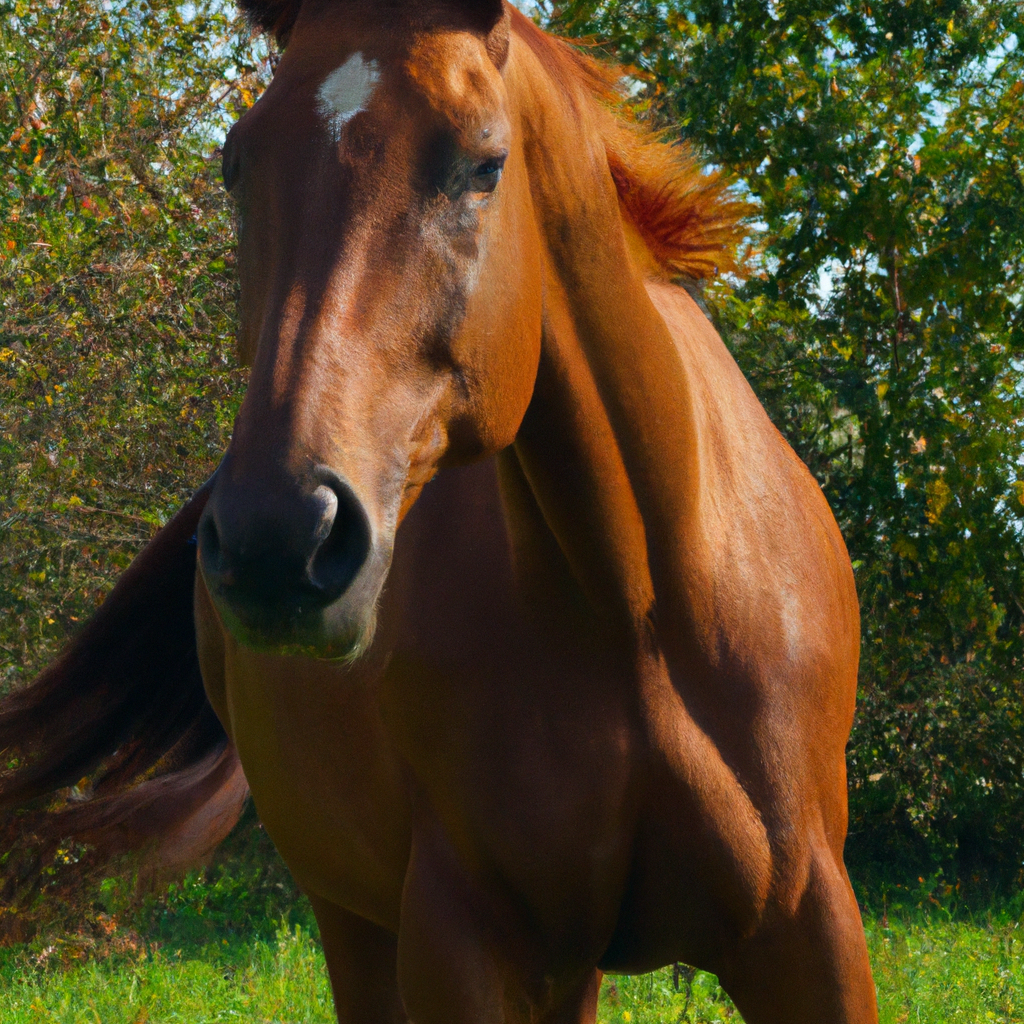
x,y
503,326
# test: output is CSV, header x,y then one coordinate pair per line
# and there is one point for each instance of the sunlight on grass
x,y
654,998
928,970
281,981
948,971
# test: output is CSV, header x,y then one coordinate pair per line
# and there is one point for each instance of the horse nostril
x,y
282,551
344,537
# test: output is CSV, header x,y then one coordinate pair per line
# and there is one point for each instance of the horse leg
x,y
464,956
449,969
811,966
581,1006
465,981
361,961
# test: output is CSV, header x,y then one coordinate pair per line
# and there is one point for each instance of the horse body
x,y
558,759
588,705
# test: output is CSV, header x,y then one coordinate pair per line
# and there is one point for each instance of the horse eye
x,y
486,175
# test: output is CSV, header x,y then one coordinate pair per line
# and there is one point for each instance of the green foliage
x,y
247,893
116,291
244,893
882,325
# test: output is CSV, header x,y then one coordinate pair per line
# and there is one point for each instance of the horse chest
x,y
538,793
324,778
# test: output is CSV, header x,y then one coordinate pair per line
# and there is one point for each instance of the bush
x,y
117,387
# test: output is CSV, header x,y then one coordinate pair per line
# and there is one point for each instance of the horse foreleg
x,y
449,967
809,966
361,961
581,1006
466,957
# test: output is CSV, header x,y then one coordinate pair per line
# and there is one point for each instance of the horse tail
x,y
121,716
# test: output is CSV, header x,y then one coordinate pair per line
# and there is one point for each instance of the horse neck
x,y
609,444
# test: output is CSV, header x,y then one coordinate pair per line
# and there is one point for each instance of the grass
x,y
927,969
239,944
281,980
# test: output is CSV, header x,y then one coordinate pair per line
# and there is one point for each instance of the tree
x,y
116,382
882,325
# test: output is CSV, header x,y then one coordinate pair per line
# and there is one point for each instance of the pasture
x,y
182,957
239,942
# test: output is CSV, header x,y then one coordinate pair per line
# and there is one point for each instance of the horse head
x,y
390,305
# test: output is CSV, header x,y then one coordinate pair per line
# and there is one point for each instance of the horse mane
x,y
687,218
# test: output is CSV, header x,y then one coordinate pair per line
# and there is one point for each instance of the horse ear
x,y
273,16
490,12
500,33
493,18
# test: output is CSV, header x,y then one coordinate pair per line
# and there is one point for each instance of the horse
x,y
533,639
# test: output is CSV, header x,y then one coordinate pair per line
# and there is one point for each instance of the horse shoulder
x,y
776,559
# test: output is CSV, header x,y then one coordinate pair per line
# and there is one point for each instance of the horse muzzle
x,y
291,565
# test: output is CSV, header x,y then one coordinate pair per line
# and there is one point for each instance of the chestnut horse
x,y
536,641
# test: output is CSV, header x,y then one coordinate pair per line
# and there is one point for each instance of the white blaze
x,y
345,91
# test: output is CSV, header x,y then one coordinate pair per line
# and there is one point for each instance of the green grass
x,y
927,969
238,943
281,980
